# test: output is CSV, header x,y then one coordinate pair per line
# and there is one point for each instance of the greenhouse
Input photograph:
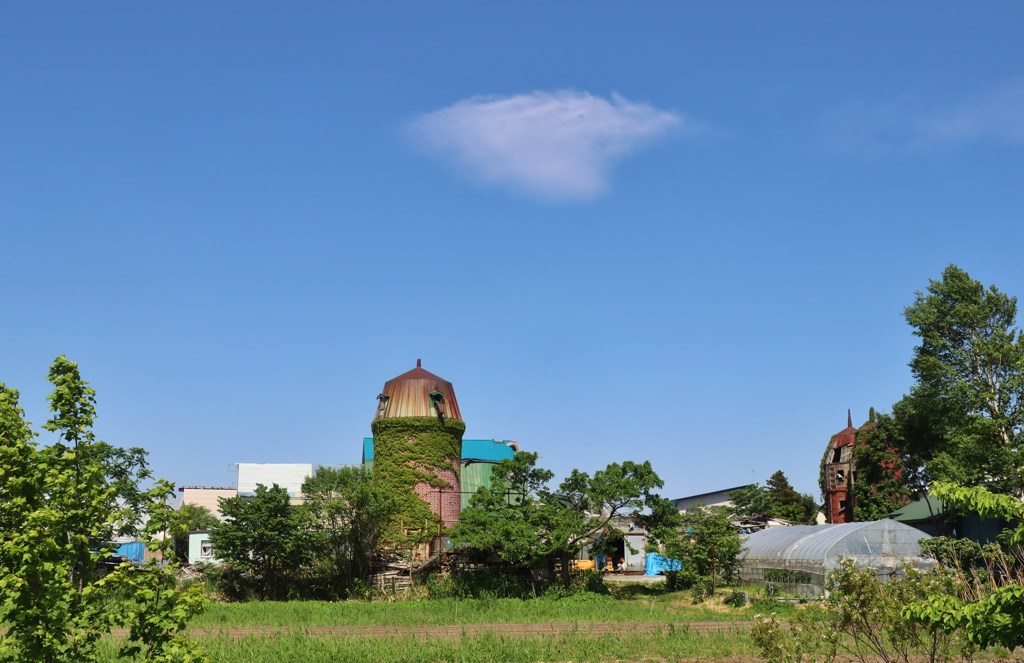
x,y
797,559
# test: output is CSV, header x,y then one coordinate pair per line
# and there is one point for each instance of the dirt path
x,y
457,631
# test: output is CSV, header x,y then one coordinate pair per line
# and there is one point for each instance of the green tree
x,y
786,503
157,622
264,538
522,520
777,499
880,487
810,508
707,544
965,414
750,501
348,514
59,505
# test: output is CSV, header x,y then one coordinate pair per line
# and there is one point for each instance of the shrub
x,y
487,583
737,599
865,617
580,583
223,581
807,635
679,580
702,589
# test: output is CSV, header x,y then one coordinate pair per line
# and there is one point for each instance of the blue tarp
x,y
133,551
658,564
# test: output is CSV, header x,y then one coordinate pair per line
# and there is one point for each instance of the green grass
x,y
582,643
667,646
581,608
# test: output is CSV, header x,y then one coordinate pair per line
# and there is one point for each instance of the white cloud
x,y
995,115
549,144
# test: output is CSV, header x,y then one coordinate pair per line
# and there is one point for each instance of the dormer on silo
x,y
417,439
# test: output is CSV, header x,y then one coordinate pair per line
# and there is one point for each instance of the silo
x,y
417,439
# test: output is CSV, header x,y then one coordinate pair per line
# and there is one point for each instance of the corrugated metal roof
x,y
491,451
488,451
924,508
408,395
722,491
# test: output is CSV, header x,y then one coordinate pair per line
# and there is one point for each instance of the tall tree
x,y
59,506
348,513
707,544
522,520
786,503
263,537
777,499
750,500
966,411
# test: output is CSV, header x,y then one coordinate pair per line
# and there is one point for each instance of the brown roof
x,y
848,435
844,438
409,395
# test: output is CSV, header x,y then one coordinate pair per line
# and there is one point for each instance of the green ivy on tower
x,y
408,451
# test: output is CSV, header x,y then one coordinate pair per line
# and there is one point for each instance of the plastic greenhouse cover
x,y
820,547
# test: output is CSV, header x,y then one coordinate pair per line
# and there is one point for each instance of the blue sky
x,y
665,231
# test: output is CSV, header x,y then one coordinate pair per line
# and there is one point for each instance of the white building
x,y
289,476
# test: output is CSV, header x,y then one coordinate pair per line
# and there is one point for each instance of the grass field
x,y
638,625
669,645
580,608
225,630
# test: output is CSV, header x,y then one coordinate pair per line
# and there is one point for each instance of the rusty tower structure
x,y
417,437
838,472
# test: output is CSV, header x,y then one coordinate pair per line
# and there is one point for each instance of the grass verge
x,y
669,645
579,608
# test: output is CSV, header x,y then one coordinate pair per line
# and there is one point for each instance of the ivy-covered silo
x,y
417,439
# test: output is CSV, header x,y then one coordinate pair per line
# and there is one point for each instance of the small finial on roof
x,y
849,418
419,363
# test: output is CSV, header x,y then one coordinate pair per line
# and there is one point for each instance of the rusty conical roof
x,y
408,395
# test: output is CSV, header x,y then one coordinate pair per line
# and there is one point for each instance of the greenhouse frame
x,y
798,559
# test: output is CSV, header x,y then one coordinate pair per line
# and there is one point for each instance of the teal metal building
x,y
478,460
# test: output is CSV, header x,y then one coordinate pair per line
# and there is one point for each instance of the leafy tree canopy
x,y
776,499
706,543
59,506
347,515
964,417
263,538
524,521
190,518
880,487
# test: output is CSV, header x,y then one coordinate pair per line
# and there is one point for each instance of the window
x,y
840,476
437,402
206,549
842,505
837,455
382,407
